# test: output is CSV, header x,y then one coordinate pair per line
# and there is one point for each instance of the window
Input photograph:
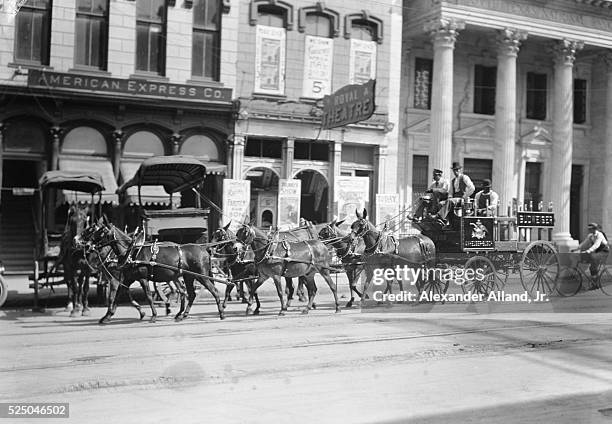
x,y
263,148
91,34
536,96
33,32
420,176
270,50
150,36
309,150
533,173
485,81
423,71
478,170
318,56
580,101
363,52
206,44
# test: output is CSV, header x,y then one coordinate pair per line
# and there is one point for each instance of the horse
x,y
350,254
76,269
414,250
105,261
275,259
162,262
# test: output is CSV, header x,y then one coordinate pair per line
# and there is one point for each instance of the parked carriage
x,y
48,272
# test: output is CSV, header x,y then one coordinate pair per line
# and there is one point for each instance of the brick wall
x,y
62,35
122,38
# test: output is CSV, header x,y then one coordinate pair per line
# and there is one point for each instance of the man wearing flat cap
x,y
486,200
595,248
436,194
461,189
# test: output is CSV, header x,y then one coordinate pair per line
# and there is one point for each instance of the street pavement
x,y
387,365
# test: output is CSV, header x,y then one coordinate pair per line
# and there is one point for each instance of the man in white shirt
x,y
461,189
486,200
437,193
594,249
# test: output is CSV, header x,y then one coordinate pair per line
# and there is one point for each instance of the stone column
x,y
560,175
444,34
55,132
606,220
380,159
288,150
117,148
505,117
336,166
238,156
175,139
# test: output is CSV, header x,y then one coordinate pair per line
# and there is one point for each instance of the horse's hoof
x,y
168,311
142,315
69,307
256,312
178,317
305,311
153,320
221,316
86,312
288,304
185,316
74,313
281,313
103,320
349,304
314,305
338,310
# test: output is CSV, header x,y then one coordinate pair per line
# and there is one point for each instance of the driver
x,y
461,189
439,193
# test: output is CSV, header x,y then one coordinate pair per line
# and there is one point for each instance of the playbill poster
x,y
289,194
363,61
236,202
318,58
270,60
352,193
387,210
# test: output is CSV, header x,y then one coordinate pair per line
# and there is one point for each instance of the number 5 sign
x,y
318,57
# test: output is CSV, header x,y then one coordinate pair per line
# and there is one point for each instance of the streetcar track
x,y
301,345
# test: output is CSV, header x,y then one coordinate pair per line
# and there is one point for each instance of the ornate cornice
x,y
564,51
509,41
444,31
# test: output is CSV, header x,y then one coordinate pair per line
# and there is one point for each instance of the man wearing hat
x,y
486,200
595,248
461,189
437,193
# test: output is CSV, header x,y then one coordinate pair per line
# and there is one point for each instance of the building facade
x,y
291,54
100,85
517,91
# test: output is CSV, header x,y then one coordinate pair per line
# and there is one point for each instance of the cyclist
x,y
594,249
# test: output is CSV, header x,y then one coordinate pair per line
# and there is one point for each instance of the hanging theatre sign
x,y
348,105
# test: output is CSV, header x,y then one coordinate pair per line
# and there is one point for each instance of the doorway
x,y
575,201
314,198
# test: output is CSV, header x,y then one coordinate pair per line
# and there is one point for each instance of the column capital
x,y
237,140
509,41
444,32
118,136
564,51
56,131
2,128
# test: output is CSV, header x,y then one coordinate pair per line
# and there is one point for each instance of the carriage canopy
x,y
72,180
175,173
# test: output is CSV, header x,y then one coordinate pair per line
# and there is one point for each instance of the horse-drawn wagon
x,y
54,248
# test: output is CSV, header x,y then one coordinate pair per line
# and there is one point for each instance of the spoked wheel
x,y
433,287
569,282
484,278
605,282
539,268
3,291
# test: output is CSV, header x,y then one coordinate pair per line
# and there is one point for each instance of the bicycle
x,y
573,278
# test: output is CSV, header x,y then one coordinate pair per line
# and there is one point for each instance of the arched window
x,y
27,136
143,144
364,31
201,147
85,141
274,13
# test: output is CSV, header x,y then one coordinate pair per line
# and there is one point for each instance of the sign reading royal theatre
x,y
89,83
350,104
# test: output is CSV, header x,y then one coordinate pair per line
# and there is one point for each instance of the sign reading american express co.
x,y
135,87
350,104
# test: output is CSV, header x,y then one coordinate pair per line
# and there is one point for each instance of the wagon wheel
x,y
433,286
502,269
539,268
485,281
569,282
3,291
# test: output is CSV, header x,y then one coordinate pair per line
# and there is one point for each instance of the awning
x,y
90,165
152,195
215,168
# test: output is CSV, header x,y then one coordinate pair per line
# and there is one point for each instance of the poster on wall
x,y
362,61
289,194
352,193
236,202
270,60
318,58
387,210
